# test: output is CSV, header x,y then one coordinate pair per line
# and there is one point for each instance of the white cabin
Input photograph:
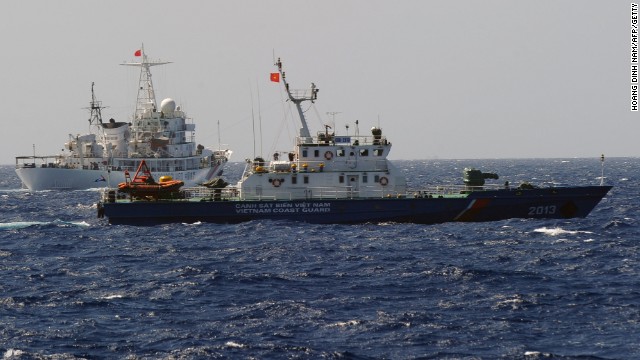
x,y
323,166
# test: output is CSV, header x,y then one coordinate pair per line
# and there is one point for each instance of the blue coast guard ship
x,y
160,134
328,178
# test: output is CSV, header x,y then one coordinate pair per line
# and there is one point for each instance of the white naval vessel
x,y
160,135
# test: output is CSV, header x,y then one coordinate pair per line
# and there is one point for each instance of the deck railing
x,y
314,193
323,139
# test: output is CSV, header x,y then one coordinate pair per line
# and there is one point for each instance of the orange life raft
x,y
143,184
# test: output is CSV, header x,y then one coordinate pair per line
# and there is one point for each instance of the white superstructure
x,y
323,166
162,136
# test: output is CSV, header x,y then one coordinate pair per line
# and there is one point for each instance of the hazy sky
x,y
444,79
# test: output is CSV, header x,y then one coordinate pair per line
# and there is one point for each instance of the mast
x,y
146,95
95,107
298,97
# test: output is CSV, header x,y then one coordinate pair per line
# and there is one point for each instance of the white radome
x,y
168,106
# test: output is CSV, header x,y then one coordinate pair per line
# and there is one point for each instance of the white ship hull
x,y
38,178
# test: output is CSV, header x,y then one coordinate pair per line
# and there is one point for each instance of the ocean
x,y
74,287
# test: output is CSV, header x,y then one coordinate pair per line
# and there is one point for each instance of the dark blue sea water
x,y
72,286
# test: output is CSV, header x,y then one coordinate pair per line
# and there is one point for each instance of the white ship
x,y
161,136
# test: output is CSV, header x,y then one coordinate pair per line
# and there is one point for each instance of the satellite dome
x,y
168,106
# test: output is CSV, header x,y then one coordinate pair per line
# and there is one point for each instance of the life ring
x,y
384,181
275,182
328,155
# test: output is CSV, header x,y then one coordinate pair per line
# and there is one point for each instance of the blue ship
x,y
329,178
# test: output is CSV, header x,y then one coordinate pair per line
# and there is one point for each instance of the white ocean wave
x,y
559,231
25,224
234,344
112,296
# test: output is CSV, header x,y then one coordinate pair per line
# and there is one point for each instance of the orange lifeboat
x,y
143,185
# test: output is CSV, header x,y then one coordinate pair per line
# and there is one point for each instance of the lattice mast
x,y
146,95
95,107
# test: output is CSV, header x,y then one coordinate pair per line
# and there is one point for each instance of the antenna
x,y
602,168
333,117
253,122
259,115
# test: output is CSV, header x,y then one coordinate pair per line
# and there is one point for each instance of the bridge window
x,y
340,152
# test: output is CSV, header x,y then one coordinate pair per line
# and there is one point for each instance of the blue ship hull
x,y
490,205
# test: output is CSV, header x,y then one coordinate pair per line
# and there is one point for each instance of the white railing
x,y
322,138
201,193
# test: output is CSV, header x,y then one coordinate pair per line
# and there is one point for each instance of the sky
x,y
443,79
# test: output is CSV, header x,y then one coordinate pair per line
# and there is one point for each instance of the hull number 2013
x,y
542,210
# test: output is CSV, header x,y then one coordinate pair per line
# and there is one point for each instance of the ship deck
x,y
201,194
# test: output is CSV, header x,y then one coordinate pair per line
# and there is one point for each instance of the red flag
x,y
138,53
275,77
